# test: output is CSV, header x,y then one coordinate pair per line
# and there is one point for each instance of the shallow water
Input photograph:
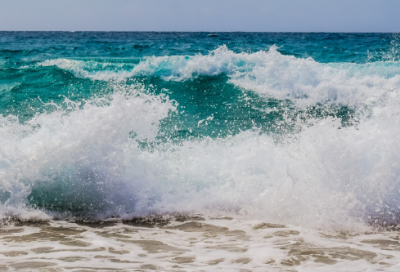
x,y
192,244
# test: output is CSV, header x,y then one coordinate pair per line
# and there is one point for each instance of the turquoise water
x,y
289,126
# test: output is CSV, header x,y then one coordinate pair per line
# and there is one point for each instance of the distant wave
x,y
265,72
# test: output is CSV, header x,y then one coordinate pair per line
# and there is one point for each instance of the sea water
x,y
294,129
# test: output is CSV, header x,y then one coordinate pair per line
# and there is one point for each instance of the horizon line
x,y
174,31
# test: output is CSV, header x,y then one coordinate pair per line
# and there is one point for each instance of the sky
x,y
201,15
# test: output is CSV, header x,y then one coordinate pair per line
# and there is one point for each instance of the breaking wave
x,y
106,156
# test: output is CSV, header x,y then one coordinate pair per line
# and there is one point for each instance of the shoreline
x,y
191,244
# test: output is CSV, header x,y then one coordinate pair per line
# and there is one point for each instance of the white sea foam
x,y
77,146
328,178
212,244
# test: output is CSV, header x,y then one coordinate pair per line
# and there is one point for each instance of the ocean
x,y
139,151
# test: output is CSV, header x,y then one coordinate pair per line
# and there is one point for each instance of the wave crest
x,y
266,72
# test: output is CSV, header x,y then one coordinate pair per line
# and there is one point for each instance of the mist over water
x,y
297,129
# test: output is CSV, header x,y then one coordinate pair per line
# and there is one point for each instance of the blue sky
x,y
202,15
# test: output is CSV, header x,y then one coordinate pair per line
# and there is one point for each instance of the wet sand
x,y
191,244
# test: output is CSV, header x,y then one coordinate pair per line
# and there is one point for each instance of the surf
x,y
257,135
